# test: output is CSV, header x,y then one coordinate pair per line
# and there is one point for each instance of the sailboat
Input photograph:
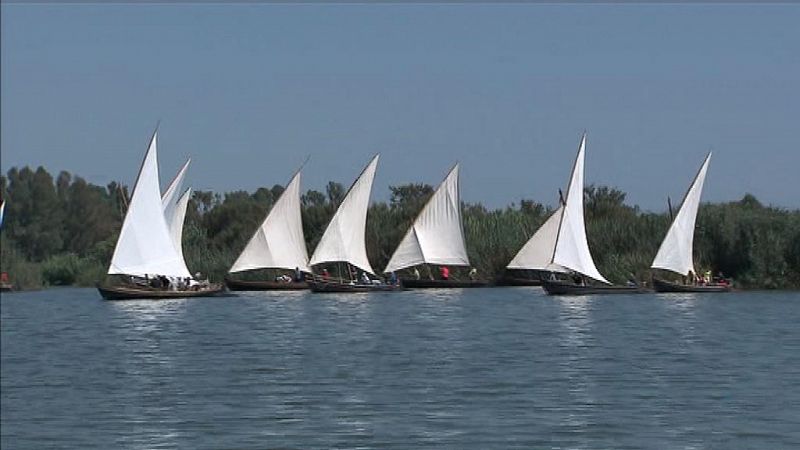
x,y
675,253
536,255
146,246
571,249
435,237
344,242
277,244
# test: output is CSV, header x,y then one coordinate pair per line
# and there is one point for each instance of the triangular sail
x,y
344,239
675,253
175,223
437,235
537,253
572,248
279,241
171,197
144,245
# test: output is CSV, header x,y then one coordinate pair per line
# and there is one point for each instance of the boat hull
x,y
444,284
241,285
513,281
666,286
558,287
134,293
330,286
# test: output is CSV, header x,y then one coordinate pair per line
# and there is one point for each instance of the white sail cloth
x,y
572,248
175,223
537,253
171,198
437,235
675,253
279,241
344,239
144,245
175,209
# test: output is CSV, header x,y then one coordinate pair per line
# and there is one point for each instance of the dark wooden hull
x,y
443,284
513,281
134,292
331,286
242,285
666,286
558,287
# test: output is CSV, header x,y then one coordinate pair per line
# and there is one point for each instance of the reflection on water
x,y
144,327
577,343
681,312
466,369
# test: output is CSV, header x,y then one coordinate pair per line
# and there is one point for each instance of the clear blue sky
x,y
248,90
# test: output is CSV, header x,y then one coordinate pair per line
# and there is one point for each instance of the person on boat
x,y
365,278
325,273
416,274
445,272
393,278
298,275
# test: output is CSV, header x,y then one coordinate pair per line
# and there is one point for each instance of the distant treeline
x,y
62,231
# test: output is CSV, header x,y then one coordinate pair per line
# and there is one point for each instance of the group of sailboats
x,y
559,251
149,247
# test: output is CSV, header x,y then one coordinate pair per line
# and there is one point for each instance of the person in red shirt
x,y
445,273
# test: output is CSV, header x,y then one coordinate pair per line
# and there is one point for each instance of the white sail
x,y
2,211
144,245
175,223
279,241
437,235
675,253
572,248
537,253
344,239
170,198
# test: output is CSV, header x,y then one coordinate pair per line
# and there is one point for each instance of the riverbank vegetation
x,y
62,231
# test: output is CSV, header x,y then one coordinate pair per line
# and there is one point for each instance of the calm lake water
x,y
479,369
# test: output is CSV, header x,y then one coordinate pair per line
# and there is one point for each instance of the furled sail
x,y
537,253
144,245
437,235
675,253
279,241
344,239
572,248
